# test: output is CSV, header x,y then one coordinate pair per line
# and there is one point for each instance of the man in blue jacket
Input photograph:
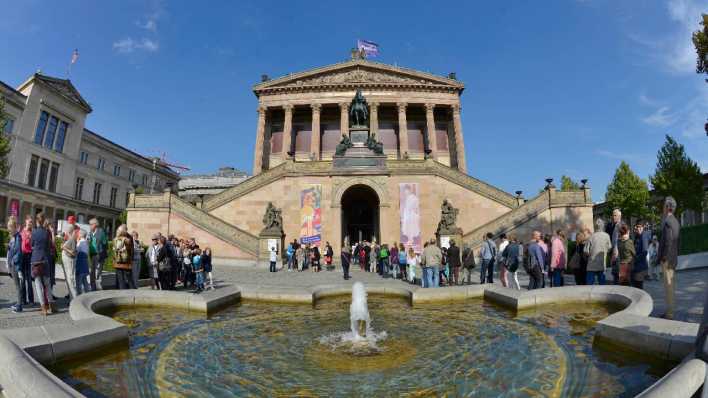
x,y
14,261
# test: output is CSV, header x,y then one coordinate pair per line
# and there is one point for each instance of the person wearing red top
x,y
27,288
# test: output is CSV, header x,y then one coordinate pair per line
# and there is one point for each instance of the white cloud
x,y
661,117
687,14
150,24
128,45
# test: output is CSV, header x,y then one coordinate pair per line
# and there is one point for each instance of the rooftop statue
x,y
359,111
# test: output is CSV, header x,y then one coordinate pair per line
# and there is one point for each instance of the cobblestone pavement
x,y
691,288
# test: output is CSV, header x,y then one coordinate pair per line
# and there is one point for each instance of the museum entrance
x,y
360,214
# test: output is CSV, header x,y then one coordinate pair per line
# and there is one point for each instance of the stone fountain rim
x,y
24,350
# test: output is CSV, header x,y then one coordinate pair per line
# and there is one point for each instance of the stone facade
x,y
312,106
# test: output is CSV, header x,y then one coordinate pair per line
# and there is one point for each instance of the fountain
x,y
359,312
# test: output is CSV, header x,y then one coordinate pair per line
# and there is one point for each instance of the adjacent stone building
x,y
196,188
60,167
333,181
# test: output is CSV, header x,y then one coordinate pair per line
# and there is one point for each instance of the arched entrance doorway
x,y
360,214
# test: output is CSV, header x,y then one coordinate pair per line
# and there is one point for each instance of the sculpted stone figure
x,y
272,219
358,111
448,218
375,146
343,145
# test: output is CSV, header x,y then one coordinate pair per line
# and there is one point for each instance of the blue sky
x,y
554,87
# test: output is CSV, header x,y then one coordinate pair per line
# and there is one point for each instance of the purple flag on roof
x,y
370,48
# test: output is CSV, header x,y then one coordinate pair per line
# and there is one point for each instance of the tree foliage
x,y
700,41
629,193
567,184
4,142
678,176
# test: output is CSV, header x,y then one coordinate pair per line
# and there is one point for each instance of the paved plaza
x,y
691,287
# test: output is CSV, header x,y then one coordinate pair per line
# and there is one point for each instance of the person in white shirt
x,y
273,258
503,271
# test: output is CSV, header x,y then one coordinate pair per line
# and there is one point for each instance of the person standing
x,y
14,261
26,248
123,255
82,264
137,259
52,258
206,263
346,260
596,249
329,256
403,261
316,257
513,255
432,259
653,258
152,256
98,242
414,268
68,260
640,269
500,260
273,254
612,229
164,265
536,259
395,265
41,240
627,254
455,262
578,263
290,253
558,258
488,253
468,264
668,253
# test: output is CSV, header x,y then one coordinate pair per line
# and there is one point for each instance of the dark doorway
x,y
360,214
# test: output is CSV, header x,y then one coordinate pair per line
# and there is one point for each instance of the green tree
x,y
628,192
700,41
678,176
567,184
4,142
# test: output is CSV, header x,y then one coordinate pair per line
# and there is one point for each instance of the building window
x,y
131,175
84,157
9,126
41,126
145,179
114,194
116,170
53,177
96,193
51,132
32,173
43,172
101,164
79,188
61,136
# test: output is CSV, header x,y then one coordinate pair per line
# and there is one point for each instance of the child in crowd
x,y
82,264
206,264
198,270
412,260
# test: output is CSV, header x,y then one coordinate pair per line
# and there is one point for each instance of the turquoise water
x,y
458,349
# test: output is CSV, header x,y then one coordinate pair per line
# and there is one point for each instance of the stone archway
x,y
360,215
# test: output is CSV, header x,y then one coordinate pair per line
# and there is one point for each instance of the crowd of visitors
x,y
32,253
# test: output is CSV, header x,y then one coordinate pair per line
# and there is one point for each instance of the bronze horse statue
x,y
358,110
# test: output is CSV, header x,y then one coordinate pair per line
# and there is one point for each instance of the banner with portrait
x,y
311,215
410,215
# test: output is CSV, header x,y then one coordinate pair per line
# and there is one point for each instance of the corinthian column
x,y
402,130
315,141
432,139
287,132
344,118
374,118
459,139
260,133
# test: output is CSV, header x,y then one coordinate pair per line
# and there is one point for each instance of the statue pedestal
x,y
358,136
266,240
445,237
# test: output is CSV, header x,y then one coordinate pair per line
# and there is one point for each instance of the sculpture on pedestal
x,y
272,220
343,145
374,145
358,110
448,219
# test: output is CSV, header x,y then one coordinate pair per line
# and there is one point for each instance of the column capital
x,y
288,107
373,104
429,107
402,106
344,106
456,108
316,107
261,109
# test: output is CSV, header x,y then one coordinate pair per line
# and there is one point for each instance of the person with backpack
x,y
383,260
536,259
488,253
98,250
14,261
513,256
123,249
164,264
455,262
41,242
468,264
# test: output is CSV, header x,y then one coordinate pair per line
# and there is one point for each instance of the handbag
x,y
37,269
574,263
625,269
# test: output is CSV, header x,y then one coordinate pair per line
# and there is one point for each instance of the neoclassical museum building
x,y
357,150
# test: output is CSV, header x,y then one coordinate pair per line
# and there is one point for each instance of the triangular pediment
x,y
359,73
